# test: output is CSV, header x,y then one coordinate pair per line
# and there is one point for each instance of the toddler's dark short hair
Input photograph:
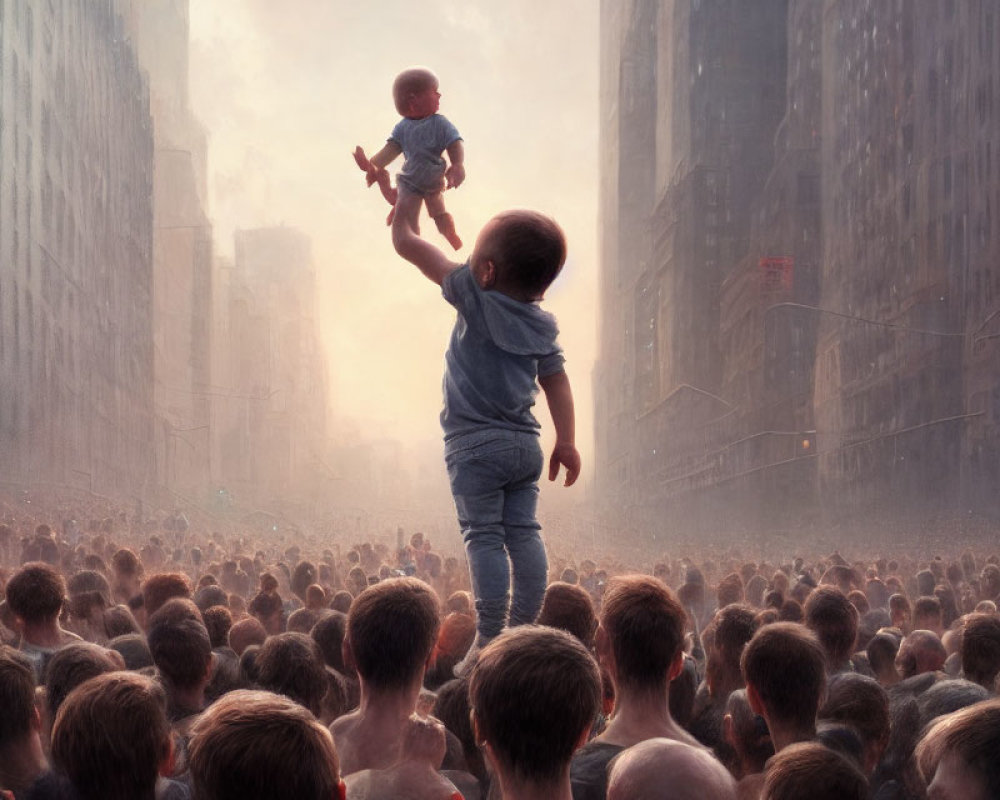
x,y
527,248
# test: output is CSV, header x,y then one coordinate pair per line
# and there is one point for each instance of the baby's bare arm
x,y
386,155
455,174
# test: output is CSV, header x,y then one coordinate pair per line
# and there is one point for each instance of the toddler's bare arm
x,y
559,395
428,259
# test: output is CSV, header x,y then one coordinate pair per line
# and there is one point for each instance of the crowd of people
x,y
178,663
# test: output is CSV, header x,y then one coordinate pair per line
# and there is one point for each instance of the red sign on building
x,y
776,275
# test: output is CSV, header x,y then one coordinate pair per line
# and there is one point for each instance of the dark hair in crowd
x,y
392,627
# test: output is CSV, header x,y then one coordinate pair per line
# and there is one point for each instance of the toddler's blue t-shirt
x,y
499,347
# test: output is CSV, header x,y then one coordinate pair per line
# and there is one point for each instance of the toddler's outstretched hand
x,y
566,455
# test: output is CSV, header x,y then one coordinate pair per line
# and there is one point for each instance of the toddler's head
x,y
415,93
519,253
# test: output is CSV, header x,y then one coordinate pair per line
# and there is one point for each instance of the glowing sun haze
x,y
287,89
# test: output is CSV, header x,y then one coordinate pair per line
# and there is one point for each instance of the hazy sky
x,y
288,89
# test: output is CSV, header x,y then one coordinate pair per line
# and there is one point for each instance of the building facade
x,y
799,320
271,422
76,228
182,255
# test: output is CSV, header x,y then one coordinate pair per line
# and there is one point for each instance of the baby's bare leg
x,y
406,213
443,220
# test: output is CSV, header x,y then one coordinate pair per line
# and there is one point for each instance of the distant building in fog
x,y
182,252
271,426
800,308
76,174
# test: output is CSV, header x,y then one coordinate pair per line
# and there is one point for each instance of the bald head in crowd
x,y
664,769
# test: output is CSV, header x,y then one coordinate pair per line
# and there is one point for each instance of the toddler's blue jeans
x,y
494,479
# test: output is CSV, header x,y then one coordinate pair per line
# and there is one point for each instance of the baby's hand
x,y
454,175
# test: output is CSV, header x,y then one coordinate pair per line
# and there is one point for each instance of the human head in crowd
x,y
134,650
733,626
641,632
756,586
460,603
948,696
842,739
158,589
871,622
729,590
237,606
127,571
218,622
316,599
920,652
809,769
927,615
111,737
35,595
71,666
182,653
535,693
925,581
301,620
259,744
291,664
329,635
989,582
957,756
174,610
945,595
457,633
784,667
981,649
881,651
391,630
567,606
211,595
859,600
267,608
246,632
451,706
900,612
859,702
89,597
118,621
342,601
830,615
248,664
303,576
790,611
746,732
21,755
664,769
877,593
